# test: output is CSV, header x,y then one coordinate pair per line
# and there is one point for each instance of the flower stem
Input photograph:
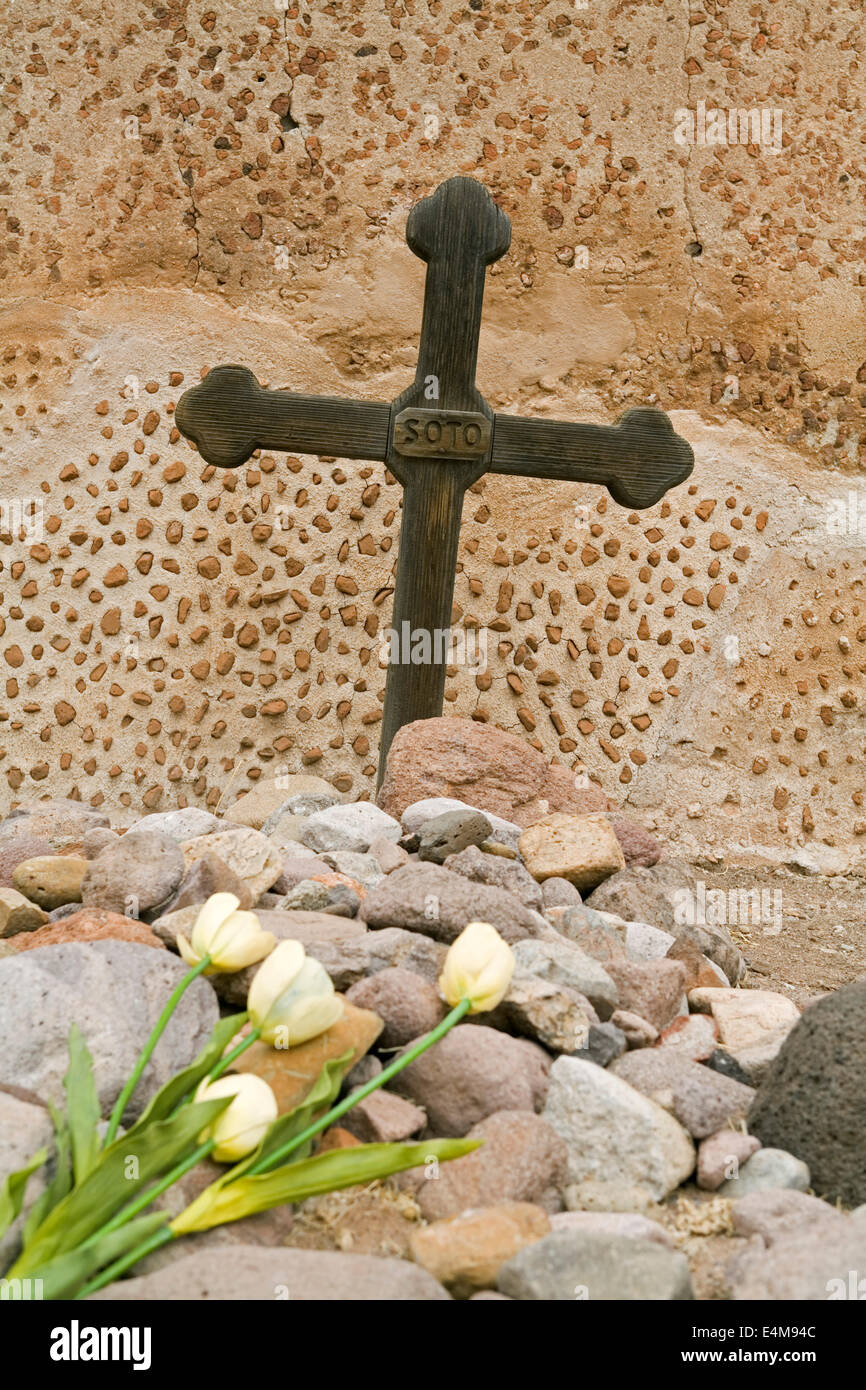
x,y
147,1051
161,1237
231,1057
145,1198
265,1164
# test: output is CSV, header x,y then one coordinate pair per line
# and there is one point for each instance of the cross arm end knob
x,y
220,415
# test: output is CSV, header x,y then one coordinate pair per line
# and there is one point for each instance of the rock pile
x,y
624,1070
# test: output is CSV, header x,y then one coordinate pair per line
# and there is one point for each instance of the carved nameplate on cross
x,y
438,437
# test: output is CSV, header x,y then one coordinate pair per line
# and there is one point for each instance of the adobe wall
x,y
185,185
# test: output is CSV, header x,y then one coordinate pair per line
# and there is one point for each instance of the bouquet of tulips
x,y
90,1223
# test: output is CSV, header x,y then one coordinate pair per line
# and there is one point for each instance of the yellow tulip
x,y
232,939
478,967
292,998
243,1124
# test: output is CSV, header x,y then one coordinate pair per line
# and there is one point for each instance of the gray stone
x,y
384,1118
702,1100
363,868
503,832
637,896
207,876
471,1073
811,1100
24,1129
248,853
407,1004
637,1031
348,827
721,1155
431,899
96,840
603,1045
613,1223
727,1065
136,877
521,1159
547,1012
612,1132
652,989
307,803
296,869
714,943
349,958
775,1214
558,892
591,932
598,1267
114,991
187,823
451,832
61,821
251,1272
815,1263
498,872
566,964
388,855
768,1169
643,942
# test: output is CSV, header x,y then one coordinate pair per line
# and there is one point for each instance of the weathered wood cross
x,y
438,437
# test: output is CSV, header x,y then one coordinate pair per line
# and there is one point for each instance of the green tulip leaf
x,y
82,1106
169,1096
327,1172
65,1275
13,1189
130,1164
61,1181
325,1090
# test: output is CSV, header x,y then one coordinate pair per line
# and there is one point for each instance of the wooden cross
x,y
438,437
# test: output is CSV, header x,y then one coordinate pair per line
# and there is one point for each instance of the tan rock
x,y
249,854
582,849
269,794
18,914
292,1072
90,924
466,1252
51,879
752,1023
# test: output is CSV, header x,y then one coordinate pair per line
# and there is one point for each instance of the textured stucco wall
x,y
185,185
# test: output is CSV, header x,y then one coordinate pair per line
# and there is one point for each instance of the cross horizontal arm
x,y
229,414
638,459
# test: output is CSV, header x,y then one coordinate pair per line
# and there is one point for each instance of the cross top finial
x,y
459,218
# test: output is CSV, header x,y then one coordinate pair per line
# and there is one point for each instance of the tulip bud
x,y
232,939
243,1124
478,967
292,998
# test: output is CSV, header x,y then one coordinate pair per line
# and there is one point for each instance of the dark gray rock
x,y
812,1100
606,1042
